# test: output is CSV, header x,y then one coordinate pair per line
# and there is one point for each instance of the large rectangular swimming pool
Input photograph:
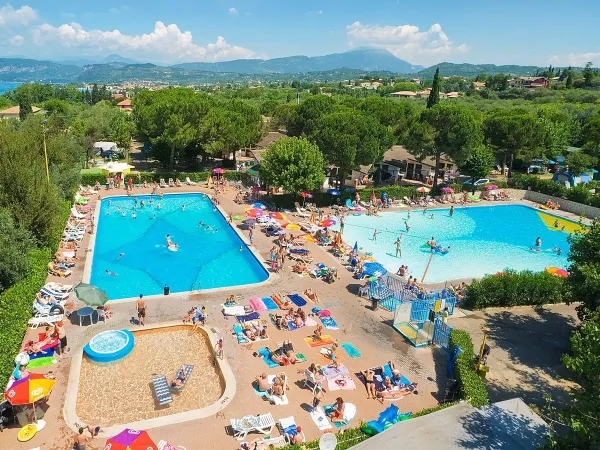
x,y
482,239
134,252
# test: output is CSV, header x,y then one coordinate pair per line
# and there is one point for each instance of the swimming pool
x,y
483,240
136,257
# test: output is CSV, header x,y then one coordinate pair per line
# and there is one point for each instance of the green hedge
x,y
16,301
472,386
512,288
580,193
231,175
346,439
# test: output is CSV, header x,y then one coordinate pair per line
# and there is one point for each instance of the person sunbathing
x,y
370,383
262,383
298,322
300,313
397,393
317,333
33,347
285,304
280,321
230,301
300,267
312,296
288,350
179,379
278,388
249,333
337,413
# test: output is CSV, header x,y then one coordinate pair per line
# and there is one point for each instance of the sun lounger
x,y
171,182
262,423
45,319
55,294
58,273
269,442
288,427
162,183
77,214
59,287
161,389
164,445
301,213
189,182
187,369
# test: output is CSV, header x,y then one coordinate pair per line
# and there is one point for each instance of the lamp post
x,y
44,131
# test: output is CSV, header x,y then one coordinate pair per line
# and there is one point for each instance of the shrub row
x,y
231,175
15,302
472,387
580,193
346,439
511,288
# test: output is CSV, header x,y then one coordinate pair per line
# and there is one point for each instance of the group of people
x,y
552,205
297,318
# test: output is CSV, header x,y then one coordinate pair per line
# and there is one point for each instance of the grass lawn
x,y
93,171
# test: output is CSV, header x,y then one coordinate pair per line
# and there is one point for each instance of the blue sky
x,y
423,32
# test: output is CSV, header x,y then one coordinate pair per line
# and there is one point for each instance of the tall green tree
x,y
478,163
578,162
294,164
434,95
448,128
569,82
24,106
307,116
15,243
588,74
512,133
590,135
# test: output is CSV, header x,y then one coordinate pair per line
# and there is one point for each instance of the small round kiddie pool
x,y
109,346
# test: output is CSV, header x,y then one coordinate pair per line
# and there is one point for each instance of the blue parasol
x,y
333,191
374,269
355,249
259,205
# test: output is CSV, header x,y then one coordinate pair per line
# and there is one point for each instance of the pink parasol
x,y
255,212
218,170
491,187
447,189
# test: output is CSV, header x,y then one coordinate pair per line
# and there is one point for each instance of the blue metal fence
x,y
441,334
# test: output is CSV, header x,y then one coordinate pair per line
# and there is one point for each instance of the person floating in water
x,y
557,250
208,228
112,274
183,207
451,213
432,243
241,248
151,200
124,214
200,224
153,217
170,244
120,255
431,216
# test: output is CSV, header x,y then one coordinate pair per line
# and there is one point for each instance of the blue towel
x,y
42,354
264,352
297,300
387,372
247,317
328,409
269,303
351,350
239,334
329,323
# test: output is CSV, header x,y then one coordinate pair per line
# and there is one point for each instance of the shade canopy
x,y
91,295
30,389
129,439
116,167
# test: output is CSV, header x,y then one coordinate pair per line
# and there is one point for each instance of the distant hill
x,y
366,59
472,70
28,70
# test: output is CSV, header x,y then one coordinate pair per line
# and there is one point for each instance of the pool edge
x,y
87,268
70,404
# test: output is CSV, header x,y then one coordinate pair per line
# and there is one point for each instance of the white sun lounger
x,y
276,442
189,182
263,423
77,214
301,213
59,287
287,422
45,319
164,445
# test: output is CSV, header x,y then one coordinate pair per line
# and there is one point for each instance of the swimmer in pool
x,y
183,207
153,217
216,230
208,228
407,225
142,204
200,224
108,213
555,224
158,205
118,208
112,274
215,209
431,216
120,255
170,243
557,250
151,200
133,215
124,214
563,228
241,248
110,203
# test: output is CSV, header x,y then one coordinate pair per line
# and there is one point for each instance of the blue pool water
x,y
483,240
205,260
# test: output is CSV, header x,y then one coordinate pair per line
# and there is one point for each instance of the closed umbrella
x,y
129,439
91,295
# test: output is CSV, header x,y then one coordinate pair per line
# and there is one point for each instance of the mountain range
x,y
334,67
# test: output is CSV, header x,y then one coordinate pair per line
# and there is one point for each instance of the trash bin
x,y
374,303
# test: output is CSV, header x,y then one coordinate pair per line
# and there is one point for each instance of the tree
x,y
590,135
512,133
569,82
24,106
348,139
447,128
588,74
584,269
578,162
478,164
434,95
307,115
15,243
121,129
293,164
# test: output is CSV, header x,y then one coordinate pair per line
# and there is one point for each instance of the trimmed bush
x,y
472,386
548,187
346,439
511,288
231,175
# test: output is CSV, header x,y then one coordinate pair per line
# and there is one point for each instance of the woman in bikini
x,y
370,383
337,414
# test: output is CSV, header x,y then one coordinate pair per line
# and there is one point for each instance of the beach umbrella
x,y
374,269
447,189
327,223
557,272
278,215
129,439
423,189
91,295
258,205
254,212
308,237
218,170
355,249
30,389
305,195
491,187
291,226
334,192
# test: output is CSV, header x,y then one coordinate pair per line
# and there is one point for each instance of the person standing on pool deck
x,y
451,213
141,309
399,246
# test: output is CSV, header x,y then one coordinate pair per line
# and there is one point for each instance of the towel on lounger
x,y
269,303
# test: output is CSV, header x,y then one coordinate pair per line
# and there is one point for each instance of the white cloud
x,y
10,16
166,43
233,11
315,13
17,39
575,59
406,41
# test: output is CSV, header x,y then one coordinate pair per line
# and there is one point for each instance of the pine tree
x,y
569,82
434,95
95,94
24,106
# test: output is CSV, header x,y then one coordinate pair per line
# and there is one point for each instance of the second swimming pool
x,y
483,240
134,252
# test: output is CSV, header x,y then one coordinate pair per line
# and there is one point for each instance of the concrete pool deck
x,y
369,331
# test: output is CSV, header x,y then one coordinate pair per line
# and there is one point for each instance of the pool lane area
x,y
482,240
131,255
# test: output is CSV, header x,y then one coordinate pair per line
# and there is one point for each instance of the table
x,y
86,311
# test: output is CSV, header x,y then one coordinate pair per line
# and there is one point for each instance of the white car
x,y
479,182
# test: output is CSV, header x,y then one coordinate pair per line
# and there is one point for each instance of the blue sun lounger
x,y
297,300
162,393
187,370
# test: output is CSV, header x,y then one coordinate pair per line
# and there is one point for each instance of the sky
x,y
425,32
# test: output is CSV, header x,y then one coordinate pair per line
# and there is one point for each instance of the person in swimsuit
x,y
337,414
262,384
179,379
141,309
370,383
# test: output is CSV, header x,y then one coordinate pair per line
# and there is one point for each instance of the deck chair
x,y
162,183
276,442
58,273
59,287
162,393
189,182
55,294
77,214
171,182
287,426
45,320
311,380
164,445
187,369
263,423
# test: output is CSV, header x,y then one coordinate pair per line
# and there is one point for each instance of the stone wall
x,y
590,212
